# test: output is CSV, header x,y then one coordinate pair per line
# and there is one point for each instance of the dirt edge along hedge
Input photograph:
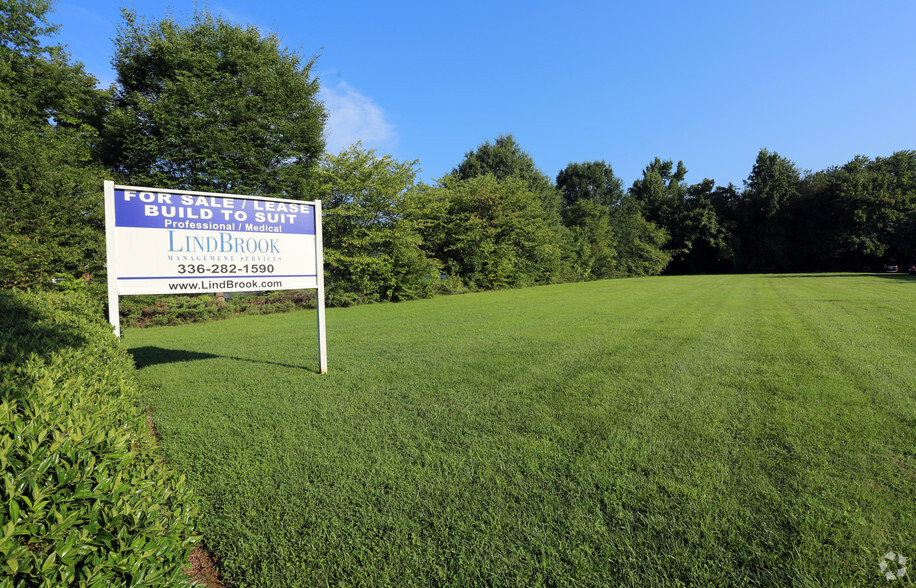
x,y
84,497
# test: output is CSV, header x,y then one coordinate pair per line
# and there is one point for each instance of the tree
x,y
212,106
660,190
770,191
39,85
372,245
698,241
590,192
772,183
51,214
490,233
660,194
505,159
709,214
640,243
593,246
873,208
610,232
593,181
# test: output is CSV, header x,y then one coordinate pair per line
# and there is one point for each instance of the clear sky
x,y
706,82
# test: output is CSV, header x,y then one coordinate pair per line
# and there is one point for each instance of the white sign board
x,y
180,242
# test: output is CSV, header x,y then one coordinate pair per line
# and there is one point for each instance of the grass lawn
x,y
703,430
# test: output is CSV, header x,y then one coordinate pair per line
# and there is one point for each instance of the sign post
x,y
182,242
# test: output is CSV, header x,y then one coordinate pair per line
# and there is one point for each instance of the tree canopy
x,y
373,248
492,234
210,105
51,218
503,159
594,181
213,106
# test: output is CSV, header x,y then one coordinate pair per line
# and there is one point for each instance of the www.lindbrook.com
x,y
208,286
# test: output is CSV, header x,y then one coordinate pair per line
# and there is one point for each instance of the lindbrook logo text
x,y
224,243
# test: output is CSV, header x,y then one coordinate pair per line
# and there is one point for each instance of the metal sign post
x,y
319,295
111,253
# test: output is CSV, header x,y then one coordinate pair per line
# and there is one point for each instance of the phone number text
x,y
225,268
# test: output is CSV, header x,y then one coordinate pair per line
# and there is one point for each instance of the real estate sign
x,y
181,242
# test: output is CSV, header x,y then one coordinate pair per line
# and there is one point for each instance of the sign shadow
x,y
150,355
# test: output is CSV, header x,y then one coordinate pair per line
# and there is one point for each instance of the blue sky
x,y
709,83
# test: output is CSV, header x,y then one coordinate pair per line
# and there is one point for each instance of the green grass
x,y
714,430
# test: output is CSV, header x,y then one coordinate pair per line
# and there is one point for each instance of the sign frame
x,y
123,257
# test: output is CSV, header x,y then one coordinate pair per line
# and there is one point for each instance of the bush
x,y
149,311
450,285
86,497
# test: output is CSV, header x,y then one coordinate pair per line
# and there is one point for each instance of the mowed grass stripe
x,y
715,430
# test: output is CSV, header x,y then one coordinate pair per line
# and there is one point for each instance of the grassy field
x,y
713,430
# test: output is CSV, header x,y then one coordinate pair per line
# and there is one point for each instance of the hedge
x,y
86,499
151,311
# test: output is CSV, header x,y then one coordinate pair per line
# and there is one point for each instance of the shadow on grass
x,y
888,276
147,356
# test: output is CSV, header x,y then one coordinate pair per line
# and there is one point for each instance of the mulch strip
x,y
204,568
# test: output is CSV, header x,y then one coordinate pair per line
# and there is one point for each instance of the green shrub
x,y
451,285
85,497
146,311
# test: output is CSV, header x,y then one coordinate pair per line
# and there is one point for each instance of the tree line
x,y
213,106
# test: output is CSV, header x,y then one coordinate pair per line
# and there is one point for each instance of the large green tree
x,y
591,243
660,190
594,181
213,106
708,229
871,206
609,231
51,214
503,159
639,243
698,240
491,233
591,192
372,243
770,193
